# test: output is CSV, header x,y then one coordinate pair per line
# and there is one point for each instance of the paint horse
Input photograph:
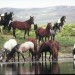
x,y
21,48
59,24
26,25
9,45
41,32
50,46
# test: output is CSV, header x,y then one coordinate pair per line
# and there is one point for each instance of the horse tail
x,y
9,27
12,52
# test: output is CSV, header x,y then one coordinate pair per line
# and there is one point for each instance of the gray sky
x,y
35,3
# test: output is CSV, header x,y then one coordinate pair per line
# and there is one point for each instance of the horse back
x,y
26,46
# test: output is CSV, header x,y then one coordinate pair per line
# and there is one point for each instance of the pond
x,y
38,67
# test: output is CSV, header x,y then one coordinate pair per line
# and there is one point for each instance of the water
x,y
61,67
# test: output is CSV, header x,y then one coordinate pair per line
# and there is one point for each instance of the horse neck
x,y
29,22
48,30
61,23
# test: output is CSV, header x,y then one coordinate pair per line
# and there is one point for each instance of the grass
x,y
66,42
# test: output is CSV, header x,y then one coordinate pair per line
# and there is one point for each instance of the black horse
x,y
6,19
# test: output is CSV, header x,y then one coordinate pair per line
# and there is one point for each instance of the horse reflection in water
x,y
31,68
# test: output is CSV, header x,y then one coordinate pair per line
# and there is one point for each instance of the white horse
x,y
21,48
9,45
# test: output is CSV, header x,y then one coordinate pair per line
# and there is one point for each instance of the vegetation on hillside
x,y
66,37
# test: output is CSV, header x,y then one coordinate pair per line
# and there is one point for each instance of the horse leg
x,y
45,39
49,56
42,56
51,37
24,34
39,39
18,56
23,56
14,57
48,37
29,53
14,33
45,56
42,39
28,32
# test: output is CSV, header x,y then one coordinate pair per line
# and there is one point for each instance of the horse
x,y
21,48
26,25
53,31
9,45
41,32
5,19
59,24
35,45
50,46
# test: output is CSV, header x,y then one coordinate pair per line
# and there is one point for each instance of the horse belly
x,y
18,25
40,32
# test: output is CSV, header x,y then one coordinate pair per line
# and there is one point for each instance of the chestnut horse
x,y
35,45
50,46
41,32
26,25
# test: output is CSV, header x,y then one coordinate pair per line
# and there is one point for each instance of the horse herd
x,y
52,46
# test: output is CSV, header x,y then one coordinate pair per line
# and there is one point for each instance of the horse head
x,y
54,45
49,25
9,16
63,18
32,20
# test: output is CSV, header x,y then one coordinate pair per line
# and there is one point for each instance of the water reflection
x,y
30,68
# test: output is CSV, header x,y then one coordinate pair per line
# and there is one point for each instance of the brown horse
x,y
35,45
50,46
26,25
41,32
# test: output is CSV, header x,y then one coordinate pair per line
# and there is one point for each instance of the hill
x,y
43,15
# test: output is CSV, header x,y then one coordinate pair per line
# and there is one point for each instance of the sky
x,y
35,3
